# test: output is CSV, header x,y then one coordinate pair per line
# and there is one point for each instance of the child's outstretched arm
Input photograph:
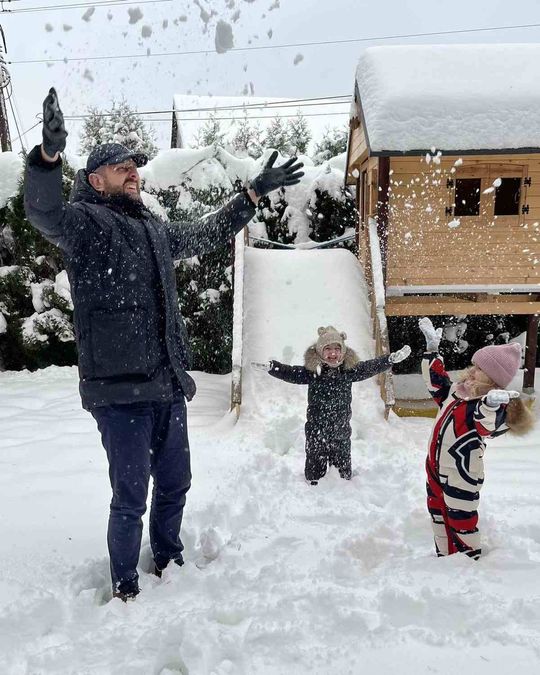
x,y
490,412
434,373
291,374
366,369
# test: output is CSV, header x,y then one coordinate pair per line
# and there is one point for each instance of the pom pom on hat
x,y
499,362
328,335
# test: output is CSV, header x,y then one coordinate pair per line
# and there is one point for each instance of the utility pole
x,y
5,81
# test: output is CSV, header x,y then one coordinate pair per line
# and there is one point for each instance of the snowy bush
x,y
333,143
33,286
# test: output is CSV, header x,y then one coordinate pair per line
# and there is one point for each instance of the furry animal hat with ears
x,y
328,335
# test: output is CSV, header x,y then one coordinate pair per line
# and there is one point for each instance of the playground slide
x,y
286,296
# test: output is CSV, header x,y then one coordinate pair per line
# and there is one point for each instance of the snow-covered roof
x,y
452,97
192,111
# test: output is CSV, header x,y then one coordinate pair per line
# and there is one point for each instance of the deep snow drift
x,y
280,577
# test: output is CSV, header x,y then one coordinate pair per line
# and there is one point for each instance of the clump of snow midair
x,y
454,223
3,324
496,183
49,28
298,59
204,15
135,14
146,31
66,27
88,75
224,37
88,14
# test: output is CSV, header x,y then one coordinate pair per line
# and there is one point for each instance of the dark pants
x,y
143,440
321,453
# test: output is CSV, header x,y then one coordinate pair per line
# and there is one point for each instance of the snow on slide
x,y
287,296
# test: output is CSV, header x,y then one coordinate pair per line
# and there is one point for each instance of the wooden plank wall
x,y
426,246
358,147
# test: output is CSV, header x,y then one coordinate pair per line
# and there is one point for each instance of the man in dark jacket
x,y
132,342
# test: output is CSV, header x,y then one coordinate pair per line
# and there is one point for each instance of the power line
x,y
298,103
271,105
79,5
282,46
19,138
205,119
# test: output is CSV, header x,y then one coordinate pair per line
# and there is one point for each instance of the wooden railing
x,y
375,282
238,320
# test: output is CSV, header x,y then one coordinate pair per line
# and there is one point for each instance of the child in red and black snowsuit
x,y
473,409
330,368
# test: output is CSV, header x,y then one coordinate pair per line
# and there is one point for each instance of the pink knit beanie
x,y
499,362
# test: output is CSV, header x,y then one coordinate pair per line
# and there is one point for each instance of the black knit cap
x,y
112,153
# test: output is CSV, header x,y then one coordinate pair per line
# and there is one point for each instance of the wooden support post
x,y
383,186
530,353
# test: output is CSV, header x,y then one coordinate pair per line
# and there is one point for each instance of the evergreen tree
x,y
246,140
333,143
331,212
277,136
120,124
204,282
33,339
299,134
210,133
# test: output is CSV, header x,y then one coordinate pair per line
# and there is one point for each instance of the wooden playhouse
x,y
444,156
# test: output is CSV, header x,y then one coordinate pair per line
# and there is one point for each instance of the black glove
x,y
54,131
272,177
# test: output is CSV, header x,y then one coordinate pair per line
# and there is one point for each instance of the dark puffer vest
x,y
130,335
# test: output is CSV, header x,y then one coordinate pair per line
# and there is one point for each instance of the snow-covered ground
x,y
280,577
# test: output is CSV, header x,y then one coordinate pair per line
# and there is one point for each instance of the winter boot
x,y
128,592
158,571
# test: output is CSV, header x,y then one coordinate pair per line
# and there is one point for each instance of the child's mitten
x,y
497,397
261,366
400,355
433,337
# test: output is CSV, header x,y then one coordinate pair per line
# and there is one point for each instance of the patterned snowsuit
x,y
455,465
328,423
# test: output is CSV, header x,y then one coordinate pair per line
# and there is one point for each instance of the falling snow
x,y
224,37
135,15
88,14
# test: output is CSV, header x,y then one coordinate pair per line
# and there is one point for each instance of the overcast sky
x,y
149,82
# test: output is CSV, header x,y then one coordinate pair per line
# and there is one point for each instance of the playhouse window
x,y
507,197
467,198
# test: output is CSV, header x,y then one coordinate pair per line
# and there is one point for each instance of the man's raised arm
x,y
43,199
218,228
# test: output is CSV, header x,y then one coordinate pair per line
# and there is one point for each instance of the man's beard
x,y
124,203
121,192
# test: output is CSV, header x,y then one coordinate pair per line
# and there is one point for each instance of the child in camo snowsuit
x,y
330,368
475,408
